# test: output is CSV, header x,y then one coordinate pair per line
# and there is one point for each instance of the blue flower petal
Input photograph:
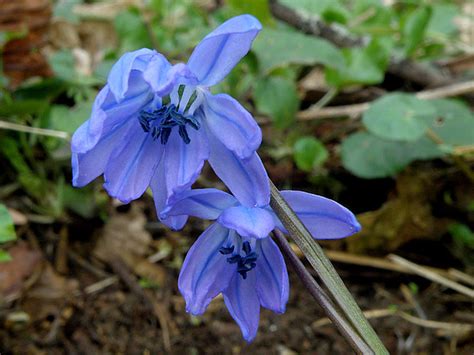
x,y
130,169
246,178
87,166
247,221
232,124
160,196
163,77
205,272
243,304
324,218
216,55
183,162
201,203
107,116
272,277
120,80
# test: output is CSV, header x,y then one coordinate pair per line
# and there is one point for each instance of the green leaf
x,y
398,116
131,31
68,119
310,7
442,19
363,65
5,256
277,97
279,48
258,8
415,28
23,107
309,153
453,122
63,65
7,230
65,9
368,156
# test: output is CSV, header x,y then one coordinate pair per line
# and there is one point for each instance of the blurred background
x,y
368,102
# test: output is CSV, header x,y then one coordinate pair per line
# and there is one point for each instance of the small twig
x,y
430,275
34,130
375,313
461,276
321,297
450,328
98,286
79,260
356,110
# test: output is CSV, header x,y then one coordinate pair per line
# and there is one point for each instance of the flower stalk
x,y
325,270
346,329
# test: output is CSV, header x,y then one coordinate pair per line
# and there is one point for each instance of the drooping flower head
x,y
235,256
155,124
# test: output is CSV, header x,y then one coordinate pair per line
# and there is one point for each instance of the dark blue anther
x,y
244,263
160,122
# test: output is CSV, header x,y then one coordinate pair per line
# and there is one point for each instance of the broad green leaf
x,y
368,156
277,97
363,65
279,48
7,230
258,8
309,153
131,31
442,19
23,107
310,7
68,119
65,9
453,122
5,256
398,116
415,28
63,65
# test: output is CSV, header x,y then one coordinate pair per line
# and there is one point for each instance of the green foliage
x,y
277,97
278,48
415,28
398,116
309,153
258,8
7,230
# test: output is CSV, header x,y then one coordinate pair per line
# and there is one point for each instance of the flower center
x,y
244,263
160,122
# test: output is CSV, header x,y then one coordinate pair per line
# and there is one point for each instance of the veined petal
x,y
202,203
119,78
87,166
272,277
163,77
216,55
252,222
130,169
107,116
232,124
183,162
160,196
243,304
324,218
246,178
205,272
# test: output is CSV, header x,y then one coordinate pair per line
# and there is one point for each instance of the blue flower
x,y
155,124
235,256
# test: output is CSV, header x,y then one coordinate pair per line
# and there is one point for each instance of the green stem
x,y
325,270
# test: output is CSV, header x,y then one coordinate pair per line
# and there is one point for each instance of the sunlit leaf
x,y
309,153
415,28
7,230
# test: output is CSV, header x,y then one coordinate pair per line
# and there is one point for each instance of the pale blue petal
x,y
252,222
232,124
245,178
243,304
324,218
272,277
160,196
120,80
130,169
201,203
216,55
163,77
107,116
183,162
205,272
87,166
